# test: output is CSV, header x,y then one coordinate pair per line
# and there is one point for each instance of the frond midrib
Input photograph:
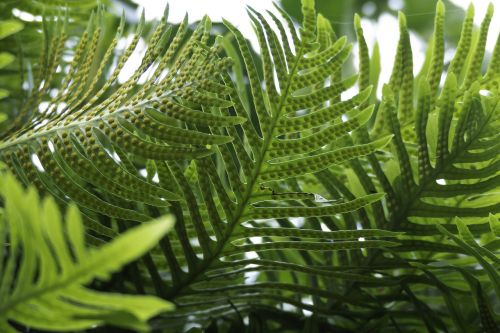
x,y
40,133
260,159
66,282
414,196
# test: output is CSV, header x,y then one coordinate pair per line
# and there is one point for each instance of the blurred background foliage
x,y
419,14
25,31
21,35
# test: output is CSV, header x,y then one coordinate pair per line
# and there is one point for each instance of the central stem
x,y
250,187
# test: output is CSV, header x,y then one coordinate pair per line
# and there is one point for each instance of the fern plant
x,y
441,177
45,263
287,196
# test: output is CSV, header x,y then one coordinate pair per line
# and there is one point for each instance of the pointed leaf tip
x,y
387,91
382,142
208,22
470,10
365,93
451,81
365,114
375,196
323,21
351,80
357,21
228,24
402,20
308,4
342,40
163,224
440,7
166,11
490,10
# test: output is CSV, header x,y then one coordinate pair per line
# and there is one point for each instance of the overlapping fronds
x,y
450,166
244,200
245,151
21,51
45,263
288,196
7,28
442,178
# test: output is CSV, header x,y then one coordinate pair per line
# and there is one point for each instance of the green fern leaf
x,y
242,186
78,145
45,265
447,135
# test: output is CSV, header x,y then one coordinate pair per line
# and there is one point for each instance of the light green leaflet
x,y
45,265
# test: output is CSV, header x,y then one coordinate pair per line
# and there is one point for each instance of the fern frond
x,y
78,145
447,136
45,264
463,135
293,128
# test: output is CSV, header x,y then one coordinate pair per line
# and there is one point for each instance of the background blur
x,y
379,20
21,22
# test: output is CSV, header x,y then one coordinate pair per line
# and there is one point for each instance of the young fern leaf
x,y
437,60
80,144
475,61
45,263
